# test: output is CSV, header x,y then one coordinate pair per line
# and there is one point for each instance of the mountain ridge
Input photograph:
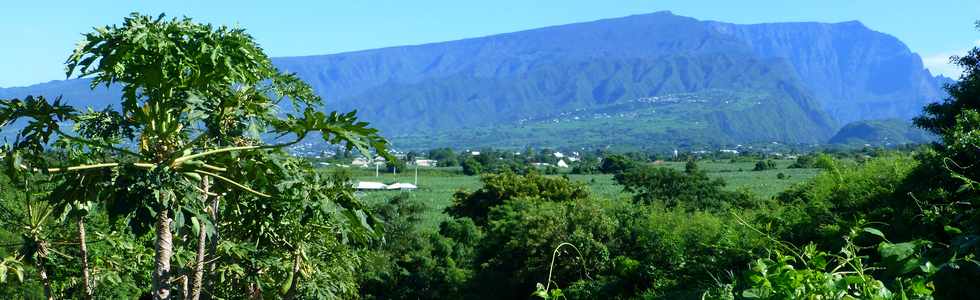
x,y
838,72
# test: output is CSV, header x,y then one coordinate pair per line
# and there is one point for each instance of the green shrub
x,y
498,188
416,264
693,190
615,164
521,235
471,166
826,207
763,165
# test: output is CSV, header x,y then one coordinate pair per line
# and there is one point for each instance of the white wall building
x,y
402,186
370,185
561,164
426,162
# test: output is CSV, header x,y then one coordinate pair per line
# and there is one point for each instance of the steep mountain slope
x,y
568,86
794,73
857,73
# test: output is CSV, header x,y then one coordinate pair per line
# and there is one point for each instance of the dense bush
x,y
616,248
803,162
498,188
520,238
445,157
829,205
417,264
471,166
763,165
665,253
616,163
692,190
586,166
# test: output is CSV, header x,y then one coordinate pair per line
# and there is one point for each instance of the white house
x,y
558,155
402,186
562,164
370,185
426,162
360,162
364,162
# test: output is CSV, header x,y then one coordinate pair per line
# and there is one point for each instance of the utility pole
x,y
416,174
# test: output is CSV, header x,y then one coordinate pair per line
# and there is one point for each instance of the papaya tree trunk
x,y
202,236
255,293
83,251
42,271
294,277
183,286
164,250
213,243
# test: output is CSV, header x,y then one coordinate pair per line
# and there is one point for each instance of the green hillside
x,y
881,132
682,119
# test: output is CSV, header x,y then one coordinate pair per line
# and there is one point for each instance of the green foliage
x,y
903,272
196,102
418,264
666,253
827,206
812,274
471,166
763,165
673,188
803,161
623,249
395,165
445,156
521,235
691,167
499,188
307,205
615,164
586,166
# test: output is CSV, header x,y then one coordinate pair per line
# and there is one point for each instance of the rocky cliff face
x,y
855,72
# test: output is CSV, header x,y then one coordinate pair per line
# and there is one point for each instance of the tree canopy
x,y
203,119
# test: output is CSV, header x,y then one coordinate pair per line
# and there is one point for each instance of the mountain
x,y
941,81
856,73
881,132
792,82
76,92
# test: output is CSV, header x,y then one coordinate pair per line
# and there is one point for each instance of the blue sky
x,y
36,36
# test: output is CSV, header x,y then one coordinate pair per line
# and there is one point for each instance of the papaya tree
x,y
200,106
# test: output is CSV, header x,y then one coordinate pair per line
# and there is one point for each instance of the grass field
x,y
763,184
437,185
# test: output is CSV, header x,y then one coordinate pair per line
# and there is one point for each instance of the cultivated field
x,y
437,185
